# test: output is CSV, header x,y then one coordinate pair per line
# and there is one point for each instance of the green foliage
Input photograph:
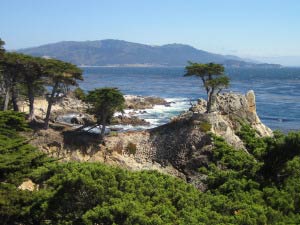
x,y
27,75
87,193
131,148
105,102
11,121
241,182
17,157
218,83
59,75
254,145
23,75
212,76
79,93
90,193
280,150
61,72
229,162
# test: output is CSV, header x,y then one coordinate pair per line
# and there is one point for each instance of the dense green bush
x,y
239,192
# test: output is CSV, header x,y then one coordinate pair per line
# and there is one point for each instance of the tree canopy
x,y
23,73
58,75
31,75
104,103
212,76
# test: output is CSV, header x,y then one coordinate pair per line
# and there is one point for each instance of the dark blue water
x,y
277,90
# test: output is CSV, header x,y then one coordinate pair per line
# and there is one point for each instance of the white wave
x,y
156,116
161,114
96,130
126,112
153,121
129,127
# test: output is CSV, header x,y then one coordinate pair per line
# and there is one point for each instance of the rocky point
x,y
178,148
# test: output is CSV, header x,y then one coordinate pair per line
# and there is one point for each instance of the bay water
x,y
277,90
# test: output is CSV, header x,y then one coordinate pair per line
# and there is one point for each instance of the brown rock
x,y
132,120
140,102
250,96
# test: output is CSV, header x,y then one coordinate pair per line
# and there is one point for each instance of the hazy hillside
x,y
116,52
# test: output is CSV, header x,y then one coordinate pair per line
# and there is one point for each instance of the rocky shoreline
x,y
177,148
69,109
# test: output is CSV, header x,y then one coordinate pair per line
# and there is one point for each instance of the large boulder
x,y
238,107
140,102
130,120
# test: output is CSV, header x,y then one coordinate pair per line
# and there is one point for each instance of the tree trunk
x,y
14,98
102,133
31,115
50,103
6,101
208,107
206,88
209,100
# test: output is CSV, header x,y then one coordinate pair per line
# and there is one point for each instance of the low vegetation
x,y
131,148
79,93
242,188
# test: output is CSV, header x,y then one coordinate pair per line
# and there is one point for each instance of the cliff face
x,y
179,147
230,110
185,143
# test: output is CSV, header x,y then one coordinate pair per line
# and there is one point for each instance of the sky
x,y
268,29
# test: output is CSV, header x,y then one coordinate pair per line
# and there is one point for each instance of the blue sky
x,y
242,27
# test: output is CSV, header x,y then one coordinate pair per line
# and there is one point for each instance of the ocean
x,y
277,90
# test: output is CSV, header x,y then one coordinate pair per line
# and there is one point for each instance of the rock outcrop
x,y
140,102
129,120
69,104
185,143
178,148
240,107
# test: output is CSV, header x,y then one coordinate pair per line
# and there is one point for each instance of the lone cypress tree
x,y
212,76
104,103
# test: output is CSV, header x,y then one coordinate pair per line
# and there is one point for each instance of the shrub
x,y
118,147
79,93
131,148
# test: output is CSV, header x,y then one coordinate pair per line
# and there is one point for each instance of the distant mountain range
x,y
122,53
